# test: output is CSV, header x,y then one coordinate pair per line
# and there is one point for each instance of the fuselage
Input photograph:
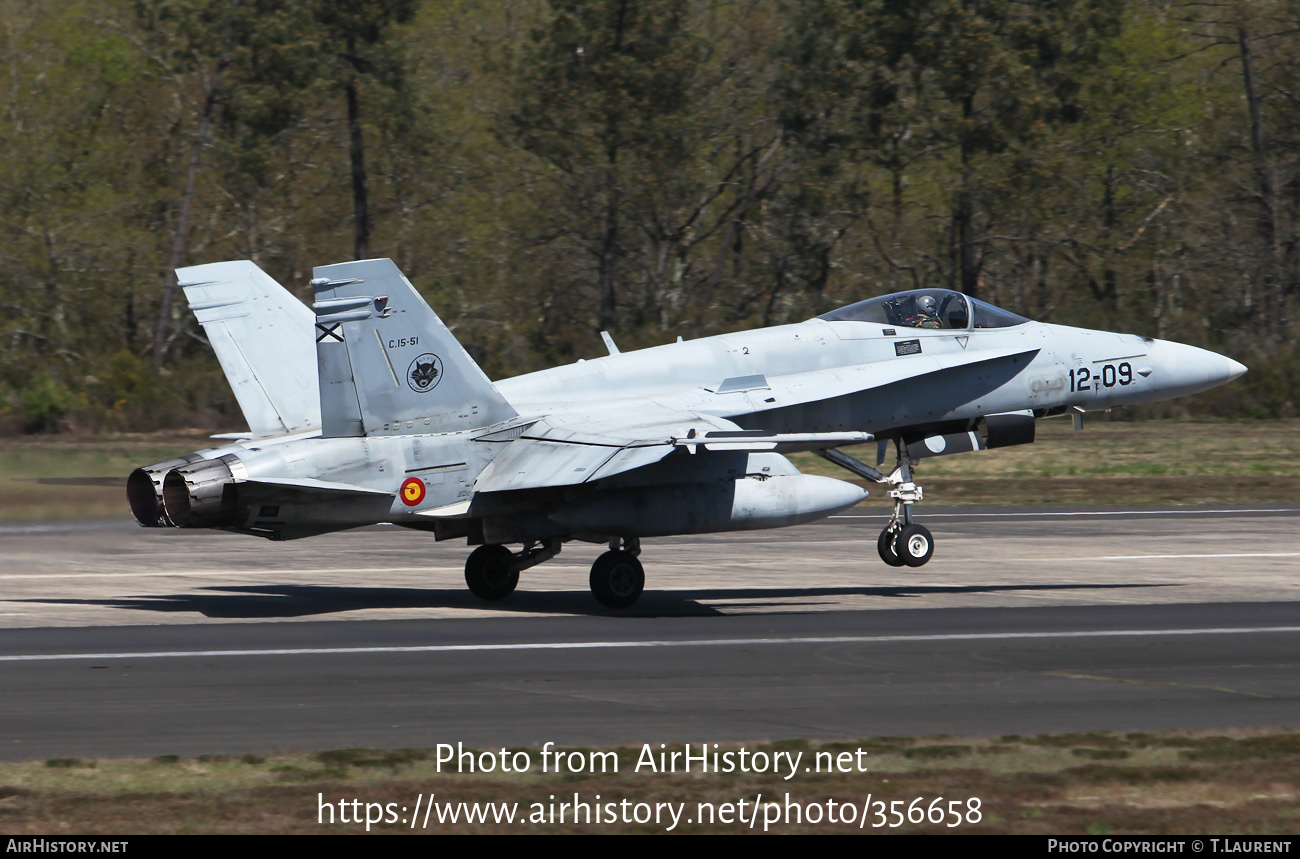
x,y
684,438
858,372
845,375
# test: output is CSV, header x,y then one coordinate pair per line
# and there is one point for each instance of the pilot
x,y
927,313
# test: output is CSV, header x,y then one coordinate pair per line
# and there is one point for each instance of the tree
x,y
355,34
652,144
1260,39
964,80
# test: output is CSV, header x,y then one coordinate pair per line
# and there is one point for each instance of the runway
x,y
115,573
116,640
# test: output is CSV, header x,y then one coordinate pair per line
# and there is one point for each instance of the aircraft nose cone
x,y
1183,369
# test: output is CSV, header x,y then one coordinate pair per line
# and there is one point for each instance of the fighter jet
x,y
388,419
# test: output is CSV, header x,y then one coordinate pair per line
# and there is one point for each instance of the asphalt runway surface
x,y
117,640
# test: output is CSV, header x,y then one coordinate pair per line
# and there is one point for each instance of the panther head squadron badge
x,y
425,373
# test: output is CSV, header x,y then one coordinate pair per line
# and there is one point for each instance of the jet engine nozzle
x,y
144,490
202,495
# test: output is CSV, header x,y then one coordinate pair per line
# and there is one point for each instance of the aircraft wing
x,y
535,462
565,452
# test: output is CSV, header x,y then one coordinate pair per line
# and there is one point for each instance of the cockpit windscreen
x,y
926,308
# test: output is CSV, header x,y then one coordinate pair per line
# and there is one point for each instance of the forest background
x,y
546,169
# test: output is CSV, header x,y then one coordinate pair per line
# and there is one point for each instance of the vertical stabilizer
x,y
387,363
262,336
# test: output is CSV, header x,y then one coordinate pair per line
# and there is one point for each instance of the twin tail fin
x,y
262,336
387,364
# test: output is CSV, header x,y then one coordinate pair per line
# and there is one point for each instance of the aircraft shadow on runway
x,y
272,601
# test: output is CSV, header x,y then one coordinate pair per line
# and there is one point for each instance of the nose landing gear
x,y
903,542
911,545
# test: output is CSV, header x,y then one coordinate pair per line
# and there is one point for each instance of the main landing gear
x,y
492,570
617,577
903,542
491,573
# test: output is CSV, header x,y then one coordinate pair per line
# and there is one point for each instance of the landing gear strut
x,y
492,570
617,577
903,542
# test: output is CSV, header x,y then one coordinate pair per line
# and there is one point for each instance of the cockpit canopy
x,y
926,308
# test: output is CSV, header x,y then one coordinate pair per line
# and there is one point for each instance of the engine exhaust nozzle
x,y
201,495
144,490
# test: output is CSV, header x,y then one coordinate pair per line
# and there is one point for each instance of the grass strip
x,y
1171,783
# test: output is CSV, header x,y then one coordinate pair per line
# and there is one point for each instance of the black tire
x,y
490,572
885,546
914,545
617,579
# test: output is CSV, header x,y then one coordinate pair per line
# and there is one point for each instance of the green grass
x,y
1112,462
1119,449
1109,462
62,456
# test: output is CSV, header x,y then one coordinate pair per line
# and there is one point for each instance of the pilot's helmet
x,y
925,304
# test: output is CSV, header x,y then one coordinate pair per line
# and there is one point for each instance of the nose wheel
x,y
910,546
903,543
914,545
885,546
617,577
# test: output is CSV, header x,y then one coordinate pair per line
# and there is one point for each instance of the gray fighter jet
x,y
388,419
